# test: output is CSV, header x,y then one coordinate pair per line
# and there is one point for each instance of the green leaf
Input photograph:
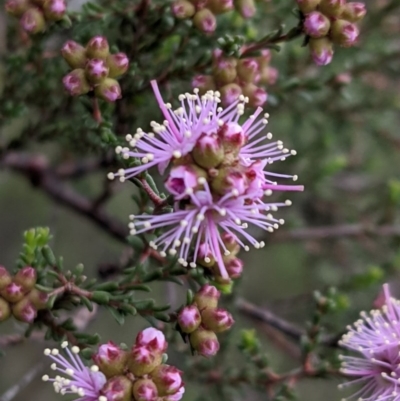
x,y
119,317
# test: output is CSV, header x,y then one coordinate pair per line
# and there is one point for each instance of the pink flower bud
x,y
145,390
247,69
269,75
220,6
54,10
183,9
353,12
175,397
321,51
118,388
182,180
96,70
246,8
97,48
152,338
38,299
204,83
306,6
26,278
118,64
264,59
24,311
5,310
232,136
204,256
108,90
16,7
205,342
208,151
76,83
5,277
224,70
207,297
168,379
234,267
217,320
189,318
331,8
111,359
230,93
74,54
32,21
257,96
142,360
231,243
344,33
12,293
205,21
316,25
229,180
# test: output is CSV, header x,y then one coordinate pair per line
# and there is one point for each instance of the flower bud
x,y
316,25
231,243
204,83
74,54
176,396
54,10
234,267
269,75
97,48
321,51
145,390
344,33
26,278
204,256
118,388
257,96
230,93
32,21
183,9
331,8
189,318
5,277
108,90
207,297
118,64
264,59
24,311
5,310
246,8
76,83
208,151
227,180
183,180
168,379
38,299
220,6
353,12
96,70
205,21
306,6
224,70
232,137
12,293
111,359
16,7
217,320
153,339
142,361
205,342
247,69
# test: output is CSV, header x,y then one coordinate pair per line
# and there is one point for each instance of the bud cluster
x,y
204,12
35,14
202,320
233,77
329,22
94,69
18,295
138,374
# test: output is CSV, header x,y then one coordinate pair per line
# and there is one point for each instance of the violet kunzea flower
x,y
375,337
73,376
219,171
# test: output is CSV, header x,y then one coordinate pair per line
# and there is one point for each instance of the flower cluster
x,y
376,338
18,295
329,22
233,77
202,320
35,14
94,68
119,375
204,12
217,179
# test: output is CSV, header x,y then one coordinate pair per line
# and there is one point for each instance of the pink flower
x,y
181,181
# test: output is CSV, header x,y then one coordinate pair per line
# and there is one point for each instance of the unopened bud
x,y
224,70
54,10
264,59
176,396
234,267
5,310
220,6
204,256
76,83
207,297
205,20
269,75
344,33
118,388
217,320
321,50
230,93
257,95
145,390
118,64
204,83
168,379
231,243
205,342
108,90
153,339
183,180
246,8
353,12
38,299
316,25
111,359
142,361
97,48
32,21
331,8
232,137
24,311
26,278
183,9
227,179
74,54
12,293
248,69
16,7
208,151
96,70
5,277
306,6
189,318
